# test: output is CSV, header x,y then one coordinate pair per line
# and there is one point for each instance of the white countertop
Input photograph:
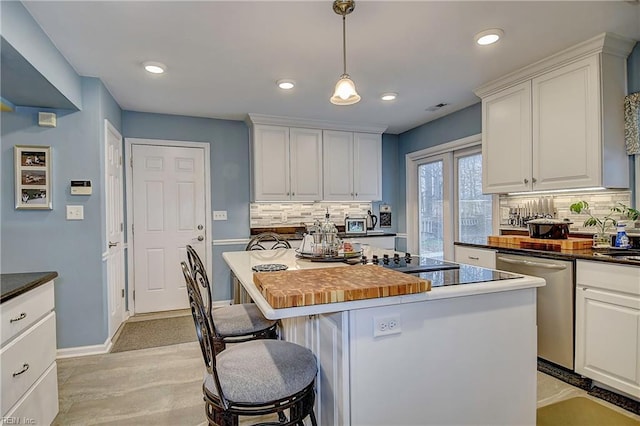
x,y
241,263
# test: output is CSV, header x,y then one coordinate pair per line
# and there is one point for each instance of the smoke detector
x,y
436,107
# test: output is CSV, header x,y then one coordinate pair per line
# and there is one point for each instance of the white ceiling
x,y
224,58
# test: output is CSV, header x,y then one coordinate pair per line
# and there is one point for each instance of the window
x,y
445,202
474,208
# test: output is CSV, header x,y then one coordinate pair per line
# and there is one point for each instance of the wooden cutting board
x,y
304,287
520,241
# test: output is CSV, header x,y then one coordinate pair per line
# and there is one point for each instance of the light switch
x,y
219,215
75,212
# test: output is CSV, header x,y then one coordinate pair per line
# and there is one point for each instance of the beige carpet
x,y
581,412
155,332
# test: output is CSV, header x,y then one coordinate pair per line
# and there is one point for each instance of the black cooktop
x,y
409,264
465,274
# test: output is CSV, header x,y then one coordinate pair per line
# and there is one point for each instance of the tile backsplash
x,y
600,203
296,214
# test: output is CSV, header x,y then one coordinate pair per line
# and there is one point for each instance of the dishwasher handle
x,y
553,266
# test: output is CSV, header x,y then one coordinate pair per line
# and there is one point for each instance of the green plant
x,y
607,221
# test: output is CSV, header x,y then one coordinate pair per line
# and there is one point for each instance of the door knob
x,y
200,238
112,244
200,227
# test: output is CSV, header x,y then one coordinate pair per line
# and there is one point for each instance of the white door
x,y
114,226
168,213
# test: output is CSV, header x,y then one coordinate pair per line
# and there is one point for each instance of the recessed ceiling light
x,y
388,96
491,36
154,67
286,84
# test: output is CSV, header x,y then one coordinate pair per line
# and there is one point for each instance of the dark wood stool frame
x,y
199,275
219,410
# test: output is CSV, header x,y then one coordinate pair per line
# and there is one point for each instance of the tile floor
x,y
162,386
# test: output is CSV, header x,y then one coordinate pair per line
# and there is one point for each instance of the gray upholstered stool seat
x,y
261,371
237,320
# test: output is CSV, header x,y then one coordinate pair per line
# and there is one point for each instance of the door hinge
x,y
134,295
120,160
121,226
131,162
123,292
131,229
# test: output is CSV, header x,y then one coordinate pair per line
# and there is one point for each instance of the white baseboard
x,y
85,350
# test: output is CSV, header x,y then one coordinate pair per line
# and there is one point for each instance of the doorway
x,y
114,226
168,207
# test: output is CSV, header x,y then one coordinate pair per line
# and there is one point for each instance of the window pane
x,y
430,187
474,211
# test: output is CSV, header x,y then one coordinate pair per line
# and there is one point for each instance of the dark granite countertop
x,y
587,254
14,285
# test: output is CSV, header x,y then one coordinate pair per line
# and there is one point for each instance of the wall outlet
x,y
219,215
383,326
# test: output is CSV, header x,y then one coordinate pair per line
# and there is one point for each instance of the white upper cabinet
x,y
313,160
506,123
352,166
305,152
287,164
558,123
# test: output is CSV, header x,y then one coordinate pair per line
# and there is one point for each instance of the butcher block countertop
x,y
242,262
304,287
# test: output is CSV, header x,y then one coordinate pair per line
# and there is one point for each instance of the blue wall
x,y
42,240
229,141
633,86
457,125
25,35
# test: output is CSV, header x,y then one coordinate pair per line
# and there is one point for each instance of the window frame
x,y
463,146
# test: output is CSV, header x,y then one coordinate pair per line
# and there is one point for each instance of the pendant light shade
x,y
345,91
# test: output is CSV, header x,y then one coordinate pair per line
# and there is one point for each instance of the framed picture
x,y
33,177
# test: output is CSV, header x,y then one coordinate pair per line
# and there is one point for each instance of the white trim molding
x,y
85,350
307,123
230,242
607,43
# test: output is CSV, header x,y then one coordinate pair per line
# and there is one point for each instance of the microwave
x,y
355,226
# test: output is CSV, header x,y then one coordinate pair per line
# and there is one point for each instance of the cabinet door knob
x,y
534,180
526,181
293,194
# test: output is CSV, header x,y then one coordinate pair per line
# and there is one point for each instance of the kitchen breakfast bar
x,y
461,353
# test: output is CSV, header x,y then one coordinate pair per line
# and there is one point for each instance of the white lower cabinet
x,y
608,325
475,256
29,381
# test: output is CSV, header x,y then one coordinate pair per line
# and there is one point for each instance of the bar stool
x,y
267,241
233,323
252,378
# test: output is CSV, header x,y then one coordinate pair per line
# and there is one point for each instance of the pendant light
x,y
345,91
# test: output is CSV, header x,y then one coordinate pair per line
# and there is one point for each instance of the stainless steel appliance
x,y
555,303
372,220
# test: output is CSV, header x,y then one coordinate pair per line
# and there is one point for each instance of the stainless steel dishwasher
x,y
555,303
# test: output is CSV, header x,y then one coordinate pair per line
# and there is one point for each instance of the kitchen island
x,y
461,353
